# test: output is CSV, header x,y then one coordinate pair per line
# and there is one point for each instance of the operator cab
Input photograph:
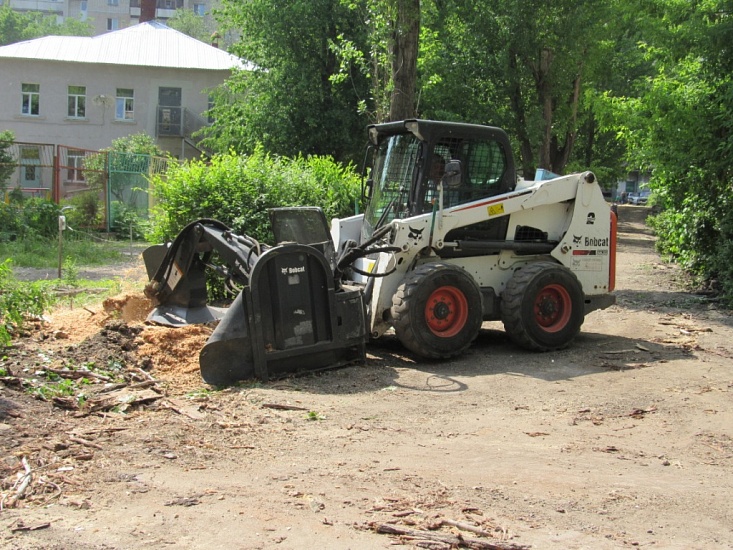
x,y
412,157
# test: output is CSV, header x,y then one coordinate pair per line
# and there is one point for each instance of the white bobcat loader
x,y
450,238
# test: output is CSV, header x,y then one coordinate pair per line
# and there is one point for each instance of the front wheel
x,y
542,307
436,311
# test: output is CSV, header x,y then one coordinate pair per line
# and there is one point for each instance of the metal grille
x,y
484,164
128,189
29,168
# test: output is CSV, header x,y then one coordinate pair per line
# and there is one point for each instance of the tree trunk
x,y
404,60
561,155
515,94
544,93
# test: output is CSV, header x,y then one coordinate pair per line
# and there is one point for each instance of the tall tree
x,y
680,127
287,100
386,55
520,64
200,27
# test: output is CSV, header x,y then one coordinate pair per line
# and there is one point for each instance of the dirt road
x,y
625,439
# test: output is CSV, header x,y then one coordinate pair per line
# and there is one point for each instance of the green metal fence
x,y
129,186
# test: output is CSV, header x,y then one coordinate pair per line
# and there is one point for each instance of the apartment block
x,y
111,15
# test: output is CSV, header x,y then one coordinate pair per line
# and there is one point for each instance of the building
x,y
84,92
111,15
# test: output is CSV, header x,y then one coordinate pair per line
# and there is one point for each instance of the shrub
x,y
87,211
19,300
28,218
238,191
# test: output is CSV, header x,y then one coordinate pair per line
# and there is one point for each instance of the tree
x,y
200,27
16,26
288,102
519,64
404,60
679,126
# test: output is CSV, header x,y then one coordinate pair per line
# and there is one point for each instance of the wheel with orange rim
x,y
542,306
436,311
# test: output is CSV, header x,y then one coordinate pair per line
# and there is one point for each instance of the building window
x,y
113,24
125,104
77,101
75,166
31,99
83,6
199,9
113,2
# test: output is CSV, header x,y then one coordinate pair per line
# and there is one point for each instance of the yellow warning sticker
x,y
496,209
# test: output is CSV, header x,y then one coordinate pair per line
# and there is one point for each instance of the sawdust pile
x,y
130,308
169,354
174,353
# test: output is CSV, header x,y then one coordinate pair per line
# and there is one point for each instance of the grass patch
x,y
44,254
85,292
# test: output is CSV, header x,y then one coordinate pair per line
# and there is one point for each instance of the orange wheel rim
x,y
446,311
552,308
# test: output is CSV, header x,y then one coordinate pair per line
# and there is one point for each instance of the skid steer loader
x,y
450,237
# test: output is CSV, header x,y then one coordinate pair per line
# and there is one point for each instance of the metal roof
x,y
150,44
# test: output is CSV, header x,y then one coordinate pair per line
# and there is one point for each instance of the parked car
x,y
639,198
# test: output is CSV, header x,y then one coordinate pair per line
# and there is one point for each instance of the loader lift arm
x,y
291,313
178,285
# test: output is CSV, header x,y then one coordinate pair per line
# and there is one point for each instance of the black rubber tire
x,y
436,311
542,307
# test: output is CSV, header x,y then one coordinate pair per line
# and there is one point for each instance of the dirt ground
x,y
623,440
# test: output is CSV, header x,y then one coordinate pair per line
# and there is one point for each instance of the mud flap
x,y
289,319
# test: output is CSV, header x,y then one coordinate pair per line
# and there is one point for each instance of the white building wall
x,y
99,127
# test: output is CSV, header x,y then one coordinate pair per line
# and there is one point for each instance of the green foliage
x,y
192,24
16,26
18,301
70,381
87,211
314,416
28,219
127,221
238,190
287,102
140,144
44,253
7,162
70,272
677,122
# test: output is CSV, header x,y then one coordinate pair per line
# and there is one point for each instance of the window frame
x,y
30,99
125,105
75,166
76,102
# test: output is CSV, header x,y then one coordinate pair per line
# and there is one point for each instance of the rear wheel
x,y
542,307
436,311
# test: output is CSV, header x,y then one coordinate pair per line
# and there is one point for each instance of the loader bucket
x,y
289,318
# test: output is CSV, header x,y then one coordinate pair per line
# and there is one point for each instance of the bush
x,y
87,211
238,191
19,300
28,218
